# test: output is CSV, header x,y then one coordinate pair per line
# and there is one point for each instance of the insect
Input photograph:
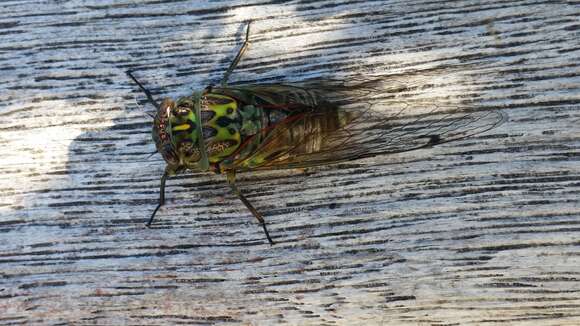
x,y
230,129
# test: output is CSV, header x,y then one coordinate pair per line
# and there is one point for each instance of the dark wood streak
x,y
483,231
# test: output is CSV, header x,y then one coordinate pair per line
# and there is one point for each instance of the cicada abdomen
x,y
229,129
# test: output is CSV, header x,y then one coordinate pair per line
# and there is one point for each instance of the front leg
x,y
161,197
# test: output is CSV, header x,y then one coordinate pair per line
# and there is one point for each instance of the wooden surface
x,y
480,232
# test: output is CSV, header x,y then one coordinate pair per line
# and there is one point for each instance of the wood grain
x,y
480,232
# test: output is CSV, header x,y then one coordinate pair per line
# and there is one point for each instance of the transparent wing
x,y
335,121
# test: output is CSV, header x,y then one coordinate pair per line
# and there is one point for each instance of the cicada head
x,y
177,134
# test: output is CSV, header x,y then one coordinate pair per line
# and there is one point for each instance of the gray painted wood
x,y
478,232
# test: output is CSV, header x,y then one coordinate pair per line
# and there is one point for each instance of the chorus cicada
x,y
230,129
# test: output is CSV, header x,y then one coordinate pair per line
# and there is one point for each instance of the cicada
x,y
229,129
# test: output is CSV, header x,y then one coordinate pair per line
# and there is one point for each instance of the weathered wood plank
x,y
482,231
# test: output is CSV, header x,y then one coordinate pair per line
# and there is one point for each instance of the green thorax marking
x,y
221,125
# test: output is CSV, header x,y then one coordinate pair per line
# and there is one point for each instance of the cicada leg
x,y
161,198
232,181
238,57
165,174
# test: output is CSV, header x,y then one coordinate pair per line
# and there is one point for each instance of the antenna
x,y
145,90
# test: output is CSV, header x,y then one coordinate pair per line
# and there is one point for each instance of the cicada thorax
x,y
216,130
220,117
234,128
